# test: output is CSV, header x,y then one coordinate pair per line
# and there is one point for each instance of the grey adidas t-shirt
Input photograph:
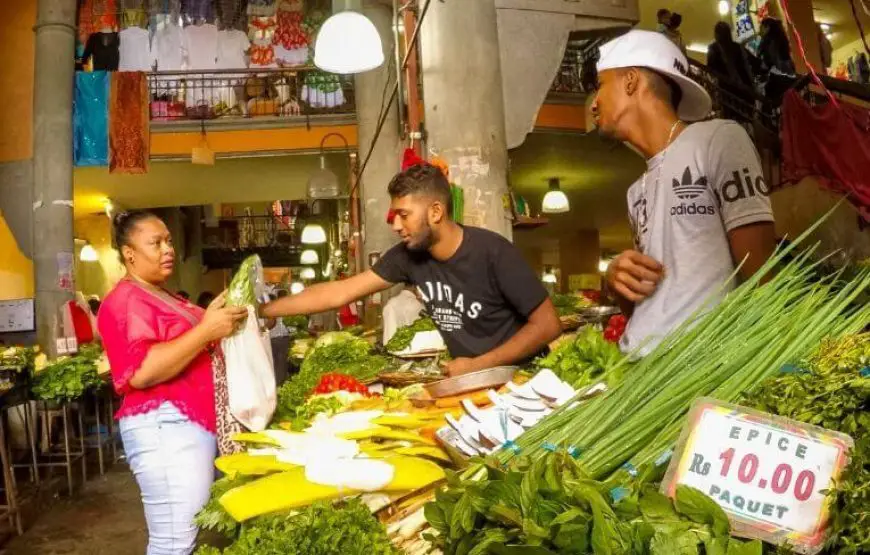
x,y
710,183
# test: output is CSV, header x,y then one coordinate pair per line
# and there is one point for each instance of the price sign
x,y
768,473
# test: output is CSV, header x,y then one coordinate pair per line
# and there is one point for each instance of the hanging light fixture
x,y
313,234
296,287
307,273
603,265
348,42
549,276
555,201
309,256
724,7
88,253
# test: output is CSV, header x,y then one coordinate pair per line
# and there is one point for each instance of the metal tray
x,y
491,377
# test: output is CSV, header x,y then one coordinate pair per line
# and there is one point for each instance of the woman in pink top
x,y
160,350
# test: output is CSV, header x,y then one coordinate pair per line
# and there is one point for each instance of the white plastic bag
x,y
250,374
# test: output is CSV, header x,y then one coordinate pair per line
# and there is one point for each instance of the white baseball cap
x,y
655,51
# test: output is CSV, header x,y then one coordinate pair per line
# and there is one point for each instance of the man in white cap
x,y
702,205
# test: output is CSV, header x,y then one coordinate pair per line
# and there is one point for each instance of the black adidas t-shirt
x,y
479,298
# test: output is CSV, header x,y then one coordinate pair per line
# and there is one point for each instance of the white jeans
x,y
173,462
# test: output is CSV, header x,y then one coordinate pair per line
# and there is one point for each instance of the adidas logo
x,y
687,189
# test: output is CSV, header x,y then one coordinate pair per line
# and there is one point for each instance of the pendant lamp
x,y
309,256
313,234
348,42
555,201
88,253
307,273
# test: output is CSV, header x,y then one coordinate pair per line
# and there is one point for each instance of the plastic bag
x,y
248,356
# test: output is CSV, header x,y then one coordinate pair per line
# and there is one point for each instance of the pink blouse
x,y
131,319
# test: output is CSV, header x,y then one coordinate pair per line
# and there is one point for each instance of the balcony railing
x,y
274,238
296,93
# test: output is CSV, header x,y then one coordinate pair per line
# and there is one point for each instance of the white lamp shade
x,y
88,254
309,256
555,202
307,273
603,265
724,7
296,287
549,278
313,234
348,43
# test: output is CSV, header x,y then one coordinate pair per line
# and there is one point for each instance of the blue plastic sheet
x,y
91,119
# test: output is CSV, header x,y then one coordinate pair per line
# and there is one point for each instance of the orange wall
x,y
252,140
16,80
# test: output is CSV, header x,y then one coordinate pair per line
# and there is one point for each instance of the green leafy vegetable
x,y
66,379
401,340
584,360
319,529
213,516
304,413
332,352
833,392
241,291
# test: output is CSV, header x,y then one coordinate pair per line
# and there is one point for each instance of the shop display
x,y
421,336
584,360
68,377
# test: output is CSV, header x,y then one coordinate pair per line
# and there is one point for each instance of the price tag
x,y
768,473
61,346
72,345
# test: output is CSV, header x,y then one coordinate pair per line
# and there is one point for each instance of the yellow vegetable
x,y
381,432
371,448
251,465
399,421
282,491
423,451
290,490
255,437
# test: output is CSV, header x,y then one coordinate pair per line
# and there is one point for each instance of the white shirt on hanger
x,y
167,48
135,50
231,47
200,46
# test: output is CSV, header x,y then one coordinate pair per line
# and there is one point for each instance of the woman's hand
x,y
220,320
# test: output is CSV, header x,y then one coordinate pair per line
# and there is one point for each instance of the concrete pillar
x,y
386,158
52,162
464,104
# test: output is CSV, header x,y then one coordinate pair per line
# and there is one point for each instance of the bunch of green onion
x,y
720,353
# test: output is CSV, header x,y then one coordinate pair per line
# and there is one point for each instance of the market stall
x,y
585,450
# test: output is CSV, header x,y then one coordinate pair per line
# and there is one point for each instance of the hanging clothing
x,y
320,89
232,14
129,138
200,47
261,30
262,8
135,50
105,14
133,13
196,11
86,21
102,48
831,143
167,44
90,119
291,39
231,47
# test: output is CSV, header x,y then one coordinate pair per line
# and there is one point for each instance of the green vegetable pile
x,y
319,529
17,359
566,304
66,379
305,413
722,353
401,340
834,393
297,325
213,516
550,506
332,352
585,360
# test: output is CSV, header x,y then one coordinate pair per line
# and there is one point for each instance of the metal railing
x,y
248,93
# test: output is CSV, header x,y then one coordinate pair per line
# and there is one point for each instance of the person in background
x,y
490,306
184,295
279,336
162,350
728,62
701,207
205,298
775,53
672,31
826,49
402,310
663,19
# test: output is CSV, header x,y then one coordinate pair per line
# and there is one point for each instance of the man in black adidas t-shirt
x,y
489,305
